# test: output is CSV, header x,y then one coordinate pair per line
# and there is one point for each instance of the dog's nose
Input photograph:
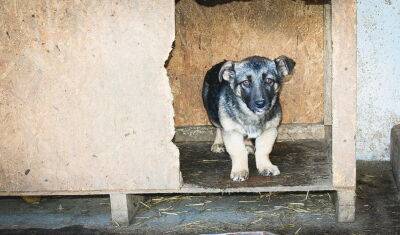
x,y
260,103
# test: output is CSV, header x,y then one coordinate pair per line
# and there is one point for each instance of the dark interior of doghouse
x,y
208,32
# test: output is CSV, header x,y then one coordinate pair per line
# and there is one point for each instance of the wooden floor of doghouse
x,y
304,165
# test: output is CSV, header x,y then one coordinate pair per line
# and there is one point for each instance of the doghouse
x,y
87,106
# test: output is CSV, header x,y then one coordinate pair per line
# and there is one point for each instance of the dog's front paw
x,y
269,170
240,175
250,149
218,148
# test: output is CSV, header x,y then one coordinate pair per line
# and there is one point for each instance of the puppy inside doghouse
x,y
242,101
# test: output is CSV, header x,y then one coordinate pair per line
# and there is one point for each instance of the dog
x,y
242,101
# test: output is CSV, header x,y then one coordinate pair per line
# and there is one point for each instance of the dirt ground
x,y
378,212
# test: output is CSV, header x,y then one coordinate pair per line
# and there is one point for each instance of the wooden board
x,y
285,132
344,92
302,164
85,103
208,35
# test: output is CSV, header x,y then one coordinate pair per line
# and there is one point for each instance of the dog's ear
x,y
227,71
284,65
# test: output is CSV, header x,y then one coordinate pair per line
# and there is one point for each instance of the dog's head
x,y
256,80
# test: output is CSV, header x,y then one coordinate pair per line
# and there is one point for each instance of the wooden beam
x,y
327,64
395,153
124,207
344,80
286,132
345,205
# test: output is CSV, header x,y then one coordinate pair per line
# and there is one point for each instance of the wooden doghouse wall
x,y
85,103
207,35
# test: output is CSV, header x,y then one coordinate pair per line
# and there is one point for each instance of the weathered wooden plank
x,y
285,132
395,153
85,102
344,79
345,205
327,64
186,188
124,208
304,166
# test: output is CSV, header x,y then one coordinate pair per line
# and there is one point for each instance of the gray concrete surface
x,y
378,212
378,89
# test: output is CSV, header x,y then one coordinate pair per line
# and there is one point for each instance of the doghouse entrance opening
x,y
207,34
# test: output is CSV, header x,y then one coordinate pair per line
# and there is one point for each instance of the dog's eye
x,y
268,80
246,83
264,76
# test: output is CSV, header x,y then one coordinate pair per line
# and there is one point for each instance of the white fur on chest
x,y
249,130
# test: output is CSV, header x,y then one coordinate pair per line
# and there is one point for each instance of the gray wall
x,y
378,98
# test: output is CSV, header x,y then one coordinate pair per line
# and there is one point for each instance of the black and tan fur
x,y
242,102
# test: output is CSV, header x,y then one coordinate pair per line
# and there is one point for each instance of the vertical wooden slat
x,y
344,77
124,207
327,64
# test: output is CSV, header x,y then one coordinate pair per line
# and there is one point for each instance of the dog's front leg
x,y
218,145
264,145
235,147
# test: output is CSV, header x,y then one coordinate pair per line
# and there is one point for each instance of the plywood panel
x,y
208,35
84,96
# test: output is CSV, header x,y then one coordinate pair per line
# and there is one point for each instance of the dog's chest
x,y
249,126
252,131
252,128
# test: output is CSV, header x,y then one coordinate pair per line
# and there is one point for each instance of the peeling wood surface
x,y
73,80
208,35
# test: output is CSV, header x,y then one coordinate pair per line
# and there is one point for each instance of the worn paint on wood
x,y
74,77
233,31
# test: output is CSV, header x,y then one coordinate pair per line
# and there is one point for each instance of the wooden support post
x,y
344,109
124,207
395,153
327,64
345,205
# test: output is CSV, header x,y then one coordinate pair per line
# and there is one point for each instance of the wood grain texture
x,y
73,77
233,31
344,93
